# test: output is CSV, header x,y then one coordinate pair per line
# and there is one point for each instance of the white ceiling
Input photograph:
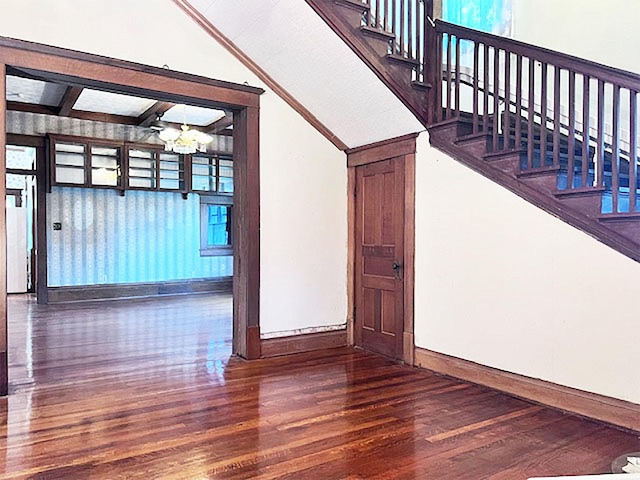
x,y
26,90
299,51
107,102
34,91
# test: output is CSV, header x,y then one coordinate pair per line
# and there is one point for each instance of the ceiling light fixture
x,y
186,140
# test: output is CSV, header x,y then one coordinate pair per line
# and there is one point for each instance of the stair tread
x,y
355,4
377,32
421,85
399,58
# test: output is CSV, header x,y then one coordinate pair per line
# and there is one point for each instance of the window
x,y
216,225
86,163
493,16
211,173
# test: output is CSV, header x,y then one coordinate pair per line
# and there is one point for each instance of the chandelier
x,y
184,141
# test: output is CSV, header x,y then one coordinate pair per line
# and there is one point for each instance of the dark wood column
x,y
246,263
4,372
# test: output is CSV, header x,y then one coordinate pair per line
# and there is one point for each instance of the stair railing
x,y
407,21
561,112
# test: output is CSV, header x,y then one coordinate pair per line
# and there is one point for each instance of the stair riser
x,y
546,183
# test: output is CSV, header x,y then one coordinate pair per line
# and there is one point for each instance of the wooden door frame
x,y
93,71
405,147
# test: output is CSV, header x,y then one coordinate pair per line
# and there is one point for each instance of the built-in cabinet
x,y
93,163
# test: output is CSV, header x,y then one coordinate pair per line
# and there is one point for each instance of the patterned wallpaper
x,y
106,238
26,123
141,237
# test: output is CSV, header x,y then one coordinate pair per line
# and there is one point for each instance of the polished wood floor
x,y
146,389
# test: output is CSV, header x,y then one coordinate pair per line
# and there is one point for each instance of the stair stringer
x,y
395,73
563,207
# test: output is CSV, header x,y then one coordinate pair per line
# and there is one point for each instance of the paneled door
x,y
379,253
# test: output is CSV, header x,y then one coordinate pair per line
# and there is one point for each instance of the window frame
x,y
224,199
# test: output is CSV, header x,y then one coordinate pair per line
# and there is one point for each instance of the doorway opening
x,y
21,211
165,89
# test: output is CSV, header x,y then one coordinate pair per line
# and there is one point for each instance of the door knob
x,y
397,267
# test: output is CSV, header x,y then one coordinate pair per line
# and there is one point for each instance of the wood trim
x,y
409,255
197,17
599,407
102,61
351,255
273,347
136,290
64,66
4,373
378,151
246,233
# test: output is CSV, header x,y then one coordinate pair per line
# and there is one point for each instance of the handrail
x,y
579,65
587,112
567,114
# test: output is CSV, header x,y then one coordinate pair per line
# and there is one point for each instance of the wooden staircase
x,y
558,131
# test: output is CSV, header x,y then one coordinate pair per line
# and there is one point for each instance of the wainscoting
x,y
135,290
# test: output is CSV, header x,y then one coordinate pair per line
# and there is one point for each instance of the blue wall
x,y
141,237
493,16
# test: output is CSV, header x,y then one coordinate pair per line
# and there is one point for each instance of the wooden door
x,y
379,253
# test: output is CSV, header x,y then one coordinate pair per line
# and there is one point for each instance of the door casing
x,y
403,147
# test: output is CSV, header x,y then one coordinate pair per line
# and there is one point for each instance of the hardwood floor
x,y
146,389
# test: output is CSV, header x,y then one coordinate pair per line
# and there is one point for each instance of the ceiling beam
x,y
219,125
79,114
68,100
155,110
31,108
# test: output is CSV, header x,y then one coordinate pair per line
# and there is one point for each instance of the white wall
x,y
504,284
605,32
303,196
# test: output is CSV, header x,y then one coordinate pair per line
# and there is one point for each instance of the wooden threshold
x,y
591,405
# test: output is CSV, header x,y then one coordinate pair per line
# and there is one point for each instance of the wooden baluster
x,y
572,128
394,26
385,16
427,47
556,117
633,162
496,97
438,75
600,152
457,86
532,109
615,150
401,27
518,117
506,125
543,116
419,42
373,13
449,36
410,49
585,130
485,104
476,72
